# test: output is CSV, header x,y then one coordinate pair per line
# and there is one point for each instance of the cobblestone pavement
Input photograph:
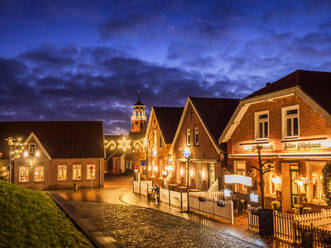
x,y
133,226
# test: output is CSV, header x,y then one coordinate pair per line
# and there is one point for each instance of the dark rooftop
x,y
314,83
61,139
215,112
168,119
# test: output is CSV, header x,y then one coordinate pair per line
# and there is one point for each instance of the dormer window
x,y
262,125
290,119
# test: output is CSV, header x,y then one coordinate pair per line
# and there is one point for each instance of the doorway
x,y
294,176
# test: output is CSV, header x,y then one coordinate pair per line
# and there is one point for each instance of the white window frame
x,y
26,171
188,137
37,172
88,172
196,136
32,151
62,168
284,122
77,168
257,123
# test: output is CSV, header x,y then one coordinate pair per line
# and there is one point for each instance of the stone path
x,y
133,226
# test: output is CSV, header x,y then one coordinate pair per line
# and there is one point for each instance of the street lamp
x,y
188,156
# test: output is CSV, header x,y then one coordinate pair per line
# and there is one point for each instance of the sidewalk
x,y
86,225
238,230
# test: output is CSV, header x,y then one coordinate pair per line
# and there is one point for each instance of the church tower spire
x,y
138,118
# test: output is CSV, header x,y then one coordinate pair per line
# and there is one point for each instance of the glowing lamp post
x,y
188,156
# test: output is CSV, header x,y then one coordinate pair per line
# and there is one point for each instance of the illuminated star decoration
x,y
124,144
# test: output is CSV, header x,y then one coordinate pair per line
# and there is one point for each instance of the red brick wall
x,y
311,123
204,151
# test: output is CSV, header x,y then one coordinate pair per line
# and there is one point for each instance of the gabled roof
x,y
168,119
314,83
214,114
61,139
312,86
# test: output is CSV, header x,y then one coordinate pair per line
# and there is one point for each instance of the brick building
x,y
200,126
55,154
161,129
291,120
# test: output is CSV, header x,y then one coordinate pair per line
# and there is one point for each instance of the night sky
x,y
85,60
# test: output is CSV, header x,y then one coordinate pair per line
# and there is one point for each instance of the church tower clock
x,y
138,118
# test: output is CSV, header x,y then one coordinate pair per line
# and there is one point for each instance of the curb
x,y
84,224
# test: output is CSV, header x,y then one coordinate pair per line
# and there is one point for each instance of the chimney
x,y
267,84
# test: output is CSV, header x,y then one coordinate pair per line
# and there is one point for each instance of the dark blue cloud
x,y
86,59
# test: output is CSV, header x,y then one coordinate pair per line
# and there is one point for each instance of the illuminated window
x,y
38,174
240,169
23,174
196,136
262,125
91,171
318,193
290,116
270,186
76,172
188,137
62,173
32,148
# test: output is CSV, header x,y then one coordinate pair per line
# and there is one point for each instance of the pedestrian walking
x,y
157,194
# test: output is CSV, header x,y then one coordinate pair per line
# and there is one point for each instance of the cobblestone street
x,y
139,227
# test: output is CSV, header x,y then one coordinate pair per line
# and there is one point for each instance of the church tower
x,y
138,118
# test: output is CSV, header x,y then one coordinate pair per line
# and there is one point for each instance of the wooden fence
x,y
310,236
294,228
253,219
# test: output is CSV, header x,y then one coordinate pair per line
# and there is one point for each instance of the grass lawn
x,y
30,218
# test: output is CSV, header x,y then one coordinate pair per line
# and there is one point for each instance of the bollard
x,y
181,201
169,197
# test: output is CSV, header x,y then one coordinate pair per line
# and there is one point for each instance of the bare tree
x,y
264,167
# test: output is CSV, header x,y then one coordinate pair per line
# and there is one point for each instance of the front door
x,y
294,175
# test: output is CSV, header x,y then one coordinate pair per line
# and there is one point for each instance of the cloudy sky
x,y
85,60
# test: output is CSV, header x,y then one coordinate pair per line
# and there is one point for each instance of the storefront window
x,y
318,193
240,169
